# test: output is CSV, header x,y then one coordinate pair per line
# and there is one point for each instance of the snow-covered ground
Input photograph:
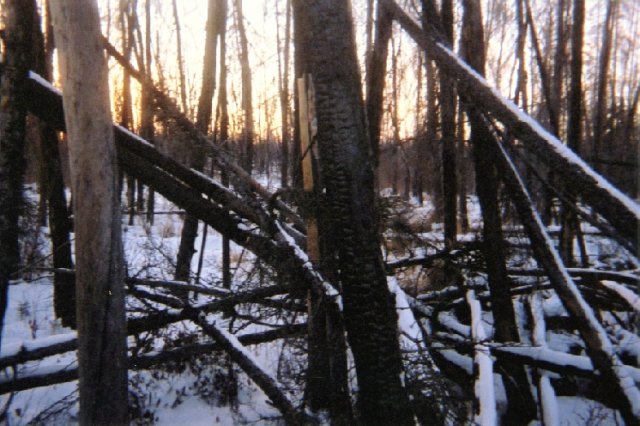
x,y
190,393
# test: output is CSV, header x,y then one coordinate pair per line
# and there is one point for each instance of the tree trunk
x,y
186,249
520,409
285,108
18,20
246,157
146,104
448,120
348,223
59,222
376,77
102,345
599,119
183,83
569,220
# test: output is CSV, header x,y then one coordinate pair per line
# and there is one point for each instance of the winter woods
x,y
319,211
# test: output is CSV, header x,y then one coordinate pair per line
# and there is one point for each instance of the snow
x,y
407,323
43,82
132,135
329,290
632,298
14,349
484,385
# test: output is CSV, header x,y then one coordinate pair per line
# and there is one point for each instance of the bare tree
x,y
246,143
448,120
521,407
18,15
203,123
283,79
53,188
348,226
102,345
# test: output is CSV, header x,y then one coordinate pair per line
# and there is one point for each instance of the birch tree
x,y
102,345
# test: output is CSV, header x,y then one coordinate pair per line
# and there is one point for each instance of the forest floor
x,y
198,391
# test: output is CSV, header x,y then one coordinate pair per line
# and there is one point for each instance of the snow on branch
x,y
251,366
486,413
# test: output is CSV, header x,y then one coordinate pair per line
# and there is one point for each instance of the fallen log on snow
x,y
66,373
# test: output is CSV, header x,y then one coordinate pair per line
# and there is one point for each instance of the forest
x,y
310,212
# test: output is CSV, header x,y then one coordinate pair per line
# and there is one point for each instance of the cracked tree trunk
x,y
348,224
102,346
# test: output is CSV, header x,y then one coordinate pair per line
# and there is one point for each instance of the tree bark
x,y
246,148
448,120
18,19
198,156
348,223
102,346
521,408
54,192
568,219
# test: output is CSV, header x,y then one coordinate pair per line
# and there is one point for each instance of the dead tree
x,y
246,143
18,31
448,128
53,188
487,184
348,224
102,345
203,123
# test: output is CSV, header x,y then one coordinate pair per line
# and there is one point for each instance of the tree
x,y
574,124
203,123
19,22
448,119
246,143
521,408
347,223
102,345
52,186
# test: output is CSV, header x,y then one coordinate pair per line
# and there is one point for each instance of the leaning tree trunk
x,y
348,225
18,18
102,344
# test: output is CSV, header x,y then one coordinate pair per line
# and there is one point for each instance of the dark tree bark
x,y
575,176
348,224
521,408
376,77
102,344
198,156
18,15
223,114
246,145
448,120
146,106
53,190
599,119
285,108
574,124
